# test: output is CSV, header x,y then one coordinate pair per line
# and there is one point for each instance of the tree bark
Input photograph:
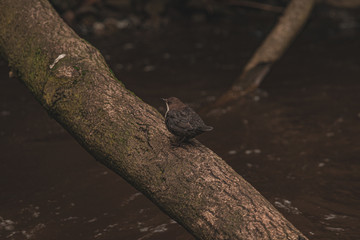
x,y
273,47
70,78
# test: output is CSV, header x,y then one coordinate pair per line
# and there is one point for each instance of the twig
x,y
257,5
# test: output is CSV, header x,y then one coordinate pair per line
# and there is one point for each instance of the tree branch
x,y
273,47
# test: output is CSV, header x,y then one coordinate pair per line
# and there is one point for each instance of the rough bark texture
x,y
191,184
273,47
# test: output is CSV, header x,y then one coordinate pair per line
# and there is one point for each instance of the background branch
x,y
273,47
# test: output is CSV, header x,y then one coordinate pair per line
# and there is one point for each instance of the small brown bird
x,y
183,121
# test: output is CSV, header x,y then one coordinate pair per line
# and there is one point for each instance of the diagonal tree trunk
x,y
71,80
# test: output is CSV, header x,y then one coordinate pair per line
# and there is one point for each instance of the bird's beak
x,y
165,100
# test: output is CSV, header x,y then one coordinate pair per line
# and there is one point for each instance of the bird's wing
x,y
181,119
197,123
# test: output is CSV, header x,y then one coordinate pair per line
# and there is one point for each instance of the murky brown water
x,y
297,141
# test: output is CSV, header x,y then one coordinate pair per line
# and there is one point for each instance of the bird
x,y
182,121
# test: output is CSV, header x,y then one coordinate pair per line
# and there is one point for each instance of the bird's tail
x,y
206,128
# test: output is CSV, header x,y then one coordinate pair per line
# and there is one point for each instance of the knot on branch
x,y
57,87
66,72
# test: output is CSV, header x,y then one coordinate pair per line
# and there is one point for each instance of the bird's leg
x,y
183,139
179,141
190,141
